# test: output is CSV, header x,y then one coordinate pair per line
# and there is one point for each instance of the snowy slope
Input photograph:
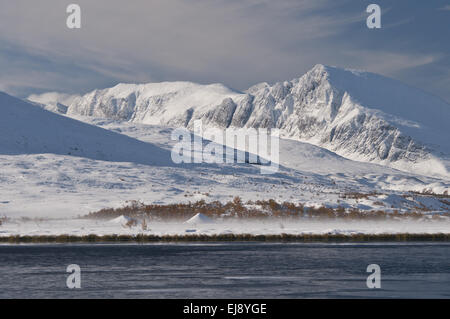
x,y
60,185
27,129
315,163
358,115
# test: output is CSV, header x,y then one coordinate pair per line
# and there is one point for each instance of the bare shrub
x,y
131,223
144,225
236,209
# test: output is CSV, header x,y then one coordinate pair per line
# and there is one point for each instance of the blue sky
x,y
238,43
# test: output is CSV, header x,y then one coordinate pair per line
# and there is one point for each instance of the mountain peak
x,y
357,114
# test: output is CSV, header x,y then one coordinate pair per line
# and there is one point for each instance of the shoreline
x,y
400,237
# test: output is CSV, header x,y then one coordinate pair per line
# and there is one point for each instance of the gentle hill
x,y
27,129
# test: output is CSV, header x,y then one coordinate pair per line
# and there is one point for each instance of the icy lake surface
x,y
226,270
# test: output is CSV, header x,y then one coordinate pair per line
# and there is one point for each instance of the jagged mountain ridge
x,y
358,115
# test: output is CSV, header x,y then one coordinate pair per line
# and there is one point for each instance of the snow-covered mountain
x,y
27,129
54,165
358,115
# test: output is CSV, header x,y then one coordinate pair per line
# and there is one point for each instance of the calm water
x,y
236,270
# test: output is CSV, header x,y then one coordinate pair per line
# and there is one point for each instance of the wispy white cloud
x,y
388,62
199,39
237,42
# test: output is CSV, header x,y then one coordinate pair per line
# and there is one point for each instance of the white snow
x,y
82,227
414,112
358,115
199,219
60,167
26,129
123,220
61,185
151,103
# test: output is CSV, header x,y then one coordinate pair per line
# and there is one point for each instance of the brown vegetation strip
x,y
226,238
251,209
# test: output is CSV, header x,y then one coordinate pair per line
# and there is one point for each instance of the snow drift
x,y
124,221
199,219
